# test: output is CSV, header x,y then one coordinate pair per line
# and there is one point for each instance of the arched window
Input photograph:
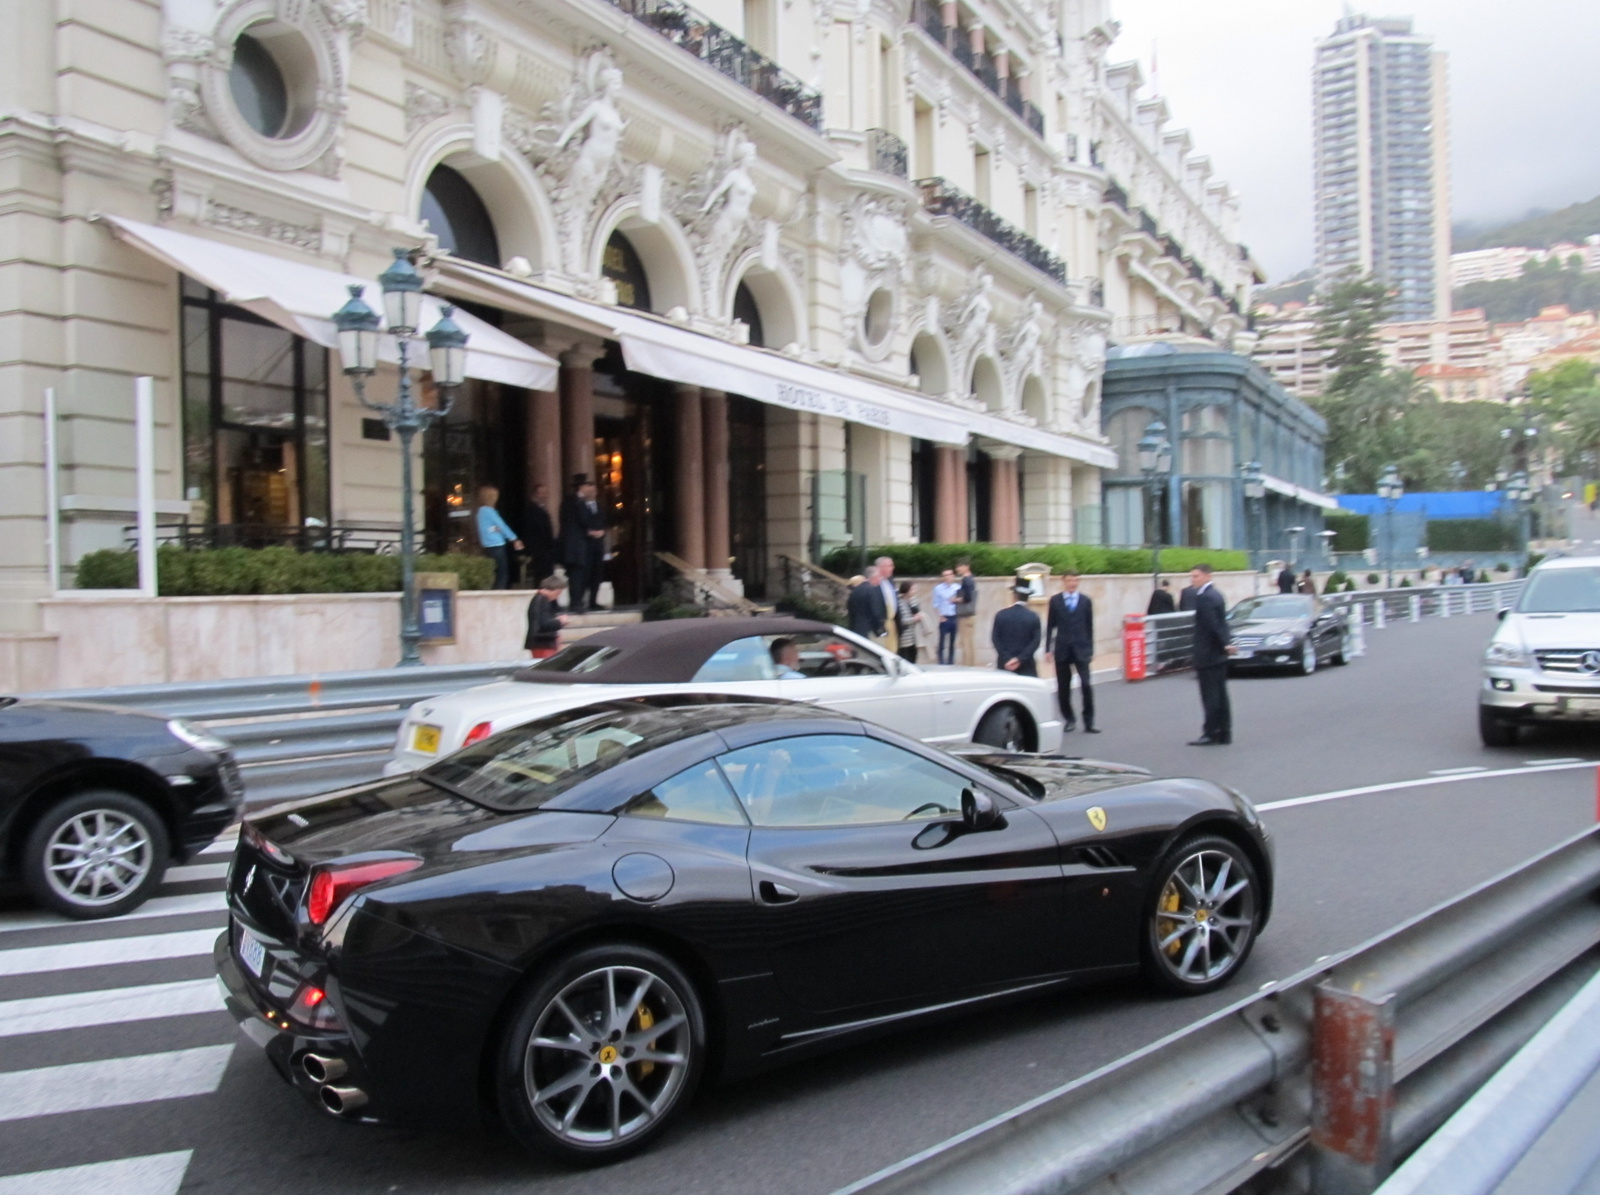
x,y
623,267
745,309
458,218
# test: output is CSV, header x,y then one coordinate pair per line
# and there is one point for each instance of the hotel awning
x,y
303,298
654,346
1300,493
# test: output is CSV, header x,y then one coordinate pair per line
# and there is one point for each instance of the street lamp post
x,y
1294,545
1255,491
1390,490
1155,463
1519,493
359,327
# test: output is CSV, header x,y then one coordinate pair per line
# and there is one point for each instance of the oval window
x,y
258,87
880,315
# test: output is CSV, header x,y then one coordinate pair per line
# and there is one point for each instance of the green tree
x,y
1347,327
1554,392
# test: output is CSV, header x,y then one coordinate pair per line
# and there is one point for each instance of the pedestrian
x,y
1468,573
539,533
1069,628
864,608
891,599
583,544
1161,600
1186,598
966,612
945,595
545,619
913,626
1286,579
1213,644
1016,634
1306,584
494,537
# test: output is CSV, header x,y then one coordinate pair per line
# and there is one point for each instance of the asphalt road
x,y
201,1109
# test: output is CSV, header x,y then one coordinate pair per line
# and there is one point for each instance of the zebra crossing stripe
x,y
197,871
112,1082
161,906
79,1010
224,845
153,1174
31,960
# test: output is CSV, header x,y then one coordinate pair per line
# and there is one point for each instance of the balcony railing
x,y
939,198
886,153
712,44
929,18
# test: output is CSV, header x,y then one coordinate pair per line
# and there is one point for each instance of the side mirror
x,y
978,810
1501,615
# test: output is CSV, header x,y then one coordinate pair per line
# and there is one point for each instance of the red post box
x,y
1134,658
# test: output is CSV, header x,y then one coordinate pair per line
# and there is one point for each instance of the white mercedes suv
x,y
1543,663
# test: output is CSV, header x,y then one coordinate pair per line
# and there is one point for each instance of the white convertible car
x,y
826,665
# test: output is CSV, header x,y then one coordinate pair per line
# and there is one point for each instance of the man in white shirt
x,y
891,601
945,595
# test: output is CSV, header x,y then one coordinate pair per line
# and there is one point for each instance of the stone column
x,y
1005,504
714,417
544,445
577,411
950,522
691,479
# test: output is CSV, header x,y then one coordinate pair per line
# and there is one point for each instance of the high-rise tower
x,y
1381,111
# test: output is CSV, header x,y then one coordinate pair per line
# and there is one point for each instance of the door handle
x,y
776,894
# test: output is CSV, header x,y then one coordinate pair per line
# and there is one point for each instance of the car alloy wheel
x,y
1342,656
96,854
608,1048
1204,916
1002,728
1308,656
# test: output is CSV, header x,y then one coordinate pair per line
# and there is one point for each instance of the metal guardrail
x,y
1316,1083
298,735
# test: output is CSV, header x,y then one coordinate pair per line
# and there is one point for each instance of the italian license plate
x,y
1583,705
426,740
252,953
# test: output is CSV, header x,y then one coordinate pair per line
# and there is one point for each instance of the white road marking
x,y
153,1174
223,845
114,1006
197,871
1534,763
1340,794
32,960
160,906
112,1082
1457,771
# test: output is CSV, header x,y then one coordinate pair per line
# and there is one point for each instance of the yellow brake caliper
x,y
643,1019
1170,903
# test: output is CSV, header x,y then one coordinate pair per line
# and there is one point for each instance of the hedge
x,y
1471,535
213,572
929,560
1352,532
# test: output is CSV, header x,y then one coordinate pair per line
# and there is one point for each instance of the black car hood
x,y
1052,777
1270,626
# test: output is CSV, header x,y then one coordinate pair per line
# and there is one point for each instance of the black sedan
x,y
1288,630
565,927
96,802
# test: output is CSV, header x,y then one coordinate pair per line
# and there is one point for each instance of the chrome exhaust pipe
x,y
322,1069
340,1100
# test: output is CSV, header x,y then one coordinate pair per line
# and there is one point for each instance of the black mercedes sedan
x,y
567,926
1288,630
96,802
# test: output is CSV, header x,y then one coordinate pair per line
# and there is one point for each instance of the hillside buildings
x,y
1382,161
778,276
1508,261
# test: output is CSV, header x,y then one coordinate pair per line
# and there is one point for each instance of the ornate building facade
x,y
778,274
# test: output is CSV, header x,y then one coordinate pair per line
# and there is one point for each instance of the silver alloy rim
x,y
1205,916
608,1057
98,857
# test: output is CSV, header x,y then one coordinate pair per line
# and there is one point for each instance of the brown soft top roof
x,y
664,653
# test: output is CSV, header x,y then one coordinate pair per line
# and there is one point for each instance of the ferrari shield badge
x,y
1097,817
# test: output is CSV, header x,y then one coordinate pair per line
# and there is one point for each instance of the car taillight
x,y
331,885
260,842
477,734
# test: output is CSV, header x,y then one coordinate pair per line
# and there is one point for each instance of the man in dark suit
x,y
539,534
865,609
1016,635
1186,598
1069,628
583,544
1286,580
1213,644
1161,600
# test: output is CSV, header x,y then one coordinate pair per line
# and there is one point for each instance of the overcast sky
x,y
1525,101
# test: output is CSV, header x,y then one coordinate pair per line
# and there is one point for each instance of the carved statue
x,y
716,208
1022,352
737,191
969,319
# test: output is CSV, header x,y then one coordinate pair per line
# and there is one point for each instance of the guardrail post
x,y
1416,607
1352,1092
1380,614
1444,603
1358,635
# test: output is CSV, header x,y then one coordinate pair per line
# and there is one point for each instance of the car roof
x,y
667,652
1556,562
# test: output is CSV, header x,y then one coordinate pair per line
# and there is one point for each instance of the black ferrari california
x,y
566,927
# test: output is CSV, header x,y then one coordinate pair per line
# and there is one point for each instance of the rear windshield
x,y
528,766
1562,591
